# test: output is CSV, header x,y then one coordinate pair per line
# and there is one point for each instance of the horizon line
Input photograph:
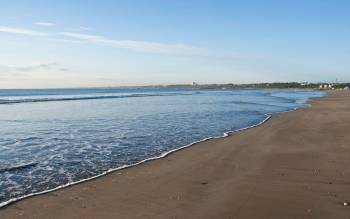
x,y
193,84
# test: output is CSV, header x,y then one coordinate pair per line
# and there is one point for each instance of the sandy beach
x,y
293,166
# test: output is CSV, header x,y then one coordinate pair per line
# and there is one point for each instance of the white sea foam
x,y
165,154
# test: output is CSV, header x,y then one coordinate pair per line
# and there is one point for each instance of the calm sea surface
x,y
53,137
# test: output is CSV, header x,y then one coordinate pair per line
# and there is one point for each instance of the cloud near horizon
x,y
32,67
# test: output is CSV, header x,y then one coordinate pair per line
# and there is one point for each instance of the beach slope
x,y
296,165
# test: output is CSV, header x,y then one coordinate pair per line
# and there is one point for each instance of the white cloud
x,y
21,31
139,46
45,24
142,46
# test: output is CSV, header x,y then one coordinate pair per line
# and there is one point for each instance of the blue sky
x,y
113,43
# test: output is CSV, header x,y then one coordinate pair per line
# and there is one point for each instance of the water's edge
x,y
165,154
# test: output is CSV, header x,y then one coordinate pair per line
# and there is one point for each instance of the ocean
x,y
51,138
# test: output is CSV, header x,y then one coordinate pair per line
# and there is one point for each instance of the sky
x,y
85,43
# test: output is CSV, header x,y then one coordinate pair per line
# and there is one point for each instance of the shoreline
x,y
155,161
163,155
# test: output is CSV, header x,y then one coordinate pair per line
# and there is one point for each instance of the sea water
x,y
51,138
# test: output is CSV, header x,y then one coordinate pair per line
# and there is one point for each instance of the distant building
x,y
326,86
194,84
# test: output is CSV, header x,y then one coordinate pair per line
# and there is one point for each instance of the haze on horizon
x,y
48,44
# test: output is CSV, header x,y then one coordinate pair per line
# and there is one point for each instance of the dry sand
x,y
296,165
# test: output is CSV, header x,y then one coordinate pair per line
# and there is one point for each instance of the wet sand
x,y
296,165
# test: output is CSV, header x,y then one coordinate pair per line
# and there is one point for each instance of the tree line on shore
x,y
280,85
